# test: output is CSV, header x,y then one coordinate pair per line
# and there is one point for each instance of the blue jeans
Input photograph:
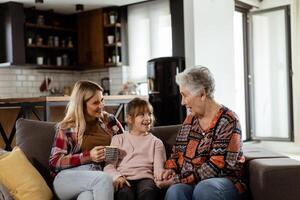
x,y
209,189
83,183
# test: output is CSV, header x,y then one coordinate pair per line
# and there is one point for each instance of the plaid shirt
x,y
216,152
66,152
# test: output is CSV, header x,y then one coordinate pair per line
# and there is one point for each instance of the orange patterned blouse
x,y
216,152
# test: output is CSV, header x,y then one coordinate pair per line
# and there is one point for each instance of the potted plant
x,y
30,36
115,57
112,16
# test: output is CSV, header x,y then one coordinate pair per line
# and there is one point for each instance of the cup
x,y
111,154
40,60
110,39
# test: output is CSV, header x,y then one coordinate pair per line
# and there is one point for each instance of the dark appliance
x,y
163,91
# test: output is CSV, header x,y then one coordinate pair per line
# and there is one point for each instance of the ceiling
x,y
68,6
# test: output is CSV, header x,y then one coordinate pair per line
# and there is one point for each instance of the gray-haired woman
x,y
207,159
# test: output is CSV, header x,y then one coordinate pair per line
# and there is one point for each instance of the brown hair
x,y
137,106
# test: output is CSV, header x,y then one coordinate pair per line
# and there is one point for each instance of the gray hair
x,y
197,78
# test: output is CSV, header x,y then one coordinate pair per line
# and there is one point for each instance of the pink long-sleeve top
x,y
141,156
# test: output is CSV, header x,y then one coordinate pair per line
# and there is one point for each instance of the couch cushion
x,y
21,179
35,138
275,178
167,134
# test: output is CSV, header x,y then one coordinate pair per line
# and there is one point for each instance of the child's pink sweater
x,y
143,156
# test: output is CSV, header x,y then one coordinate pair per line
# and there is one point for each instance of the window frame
x,y
244,9
290,137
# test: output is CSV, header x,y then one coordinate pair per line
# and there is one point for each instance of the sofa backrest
x,y
35,138
167,134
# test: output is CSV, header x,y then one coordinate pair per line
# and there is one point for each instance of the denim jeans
x,y
209,189
83,183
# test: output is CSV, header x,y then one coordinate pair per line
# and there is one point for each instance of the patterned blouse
x,y
216,152
66,152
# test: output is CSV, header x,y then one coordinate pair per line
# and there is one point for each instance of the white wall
x,y
209,42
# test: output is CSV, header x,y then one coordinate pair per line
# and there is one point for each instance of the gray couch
x,y
271,176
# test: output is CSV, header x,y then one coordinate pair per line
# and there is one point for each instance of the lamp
x,y
79,7
39,1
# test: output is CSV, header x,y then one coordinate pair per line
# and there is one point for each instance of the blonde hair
x,y
82,92
137,106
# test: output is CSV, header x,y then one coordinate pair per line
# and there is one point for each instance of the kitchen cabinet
x,y
12,34
50,39
90,39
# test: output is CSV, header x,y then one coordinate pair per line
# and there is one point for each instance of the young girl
x,y
142,155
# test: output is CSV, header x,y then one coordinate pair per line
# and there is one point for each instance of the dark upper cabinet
x,y
12,20
90,39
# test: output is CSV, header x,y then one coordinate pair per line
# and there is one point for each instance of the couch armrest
x,y
274,179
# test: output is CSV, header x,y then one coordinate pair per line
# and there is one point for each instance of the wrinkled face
x,y
193,103
141,123
95,105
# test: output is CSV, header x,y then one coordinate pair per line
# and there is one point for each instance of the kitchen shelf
x,y
112,29
49,47
113,25
48,27
50,38
118,44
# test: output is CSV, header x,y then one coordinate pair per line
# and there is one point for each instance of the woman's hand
x,y
166,174
97,154
164,183
120,182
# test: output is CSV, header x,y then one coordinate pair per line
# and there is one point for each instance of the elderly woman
x,y
77,155
207,159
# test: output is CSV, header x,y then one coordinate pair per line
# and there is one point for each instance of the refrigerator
x,y
163,91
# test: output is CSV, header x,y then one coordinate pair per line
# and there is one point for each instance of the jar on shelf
x,y
50,41
70,43
56,41
39,40
40,20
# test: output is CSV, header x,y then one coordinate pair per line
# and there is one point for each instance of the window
x,y
149,35
270,83
263,61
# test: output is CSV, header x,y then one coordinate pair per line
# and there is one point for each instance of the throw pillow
x,y
21,179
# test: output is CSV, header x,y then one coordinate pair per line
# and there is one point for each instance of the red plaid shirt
x,y
66,152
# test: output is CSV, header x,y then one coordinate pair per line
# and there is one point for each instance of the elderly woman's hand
x,y
97,154
164,183
120,182
166,174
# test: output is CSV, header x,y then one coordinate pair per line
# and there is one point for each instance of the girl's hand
x,y
120,182
164,183
97,154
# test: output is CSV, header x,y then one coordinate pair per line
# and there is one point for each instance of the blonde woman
x,y
77,155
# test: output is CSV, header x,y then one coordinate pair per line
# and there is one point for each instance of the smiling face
x,y
194,103
141,123
94,106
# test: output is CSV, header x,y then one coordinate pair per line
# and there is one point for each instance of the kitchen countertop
x,y
114,98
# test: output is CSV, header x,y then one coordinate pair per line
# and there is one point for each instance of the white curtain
x,y
149,36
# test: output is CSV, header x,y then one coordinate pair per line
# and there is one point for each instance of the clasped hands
x,y
165,178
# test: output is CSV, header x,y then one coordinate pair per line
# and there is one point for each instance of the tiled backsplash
x,y
26,82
